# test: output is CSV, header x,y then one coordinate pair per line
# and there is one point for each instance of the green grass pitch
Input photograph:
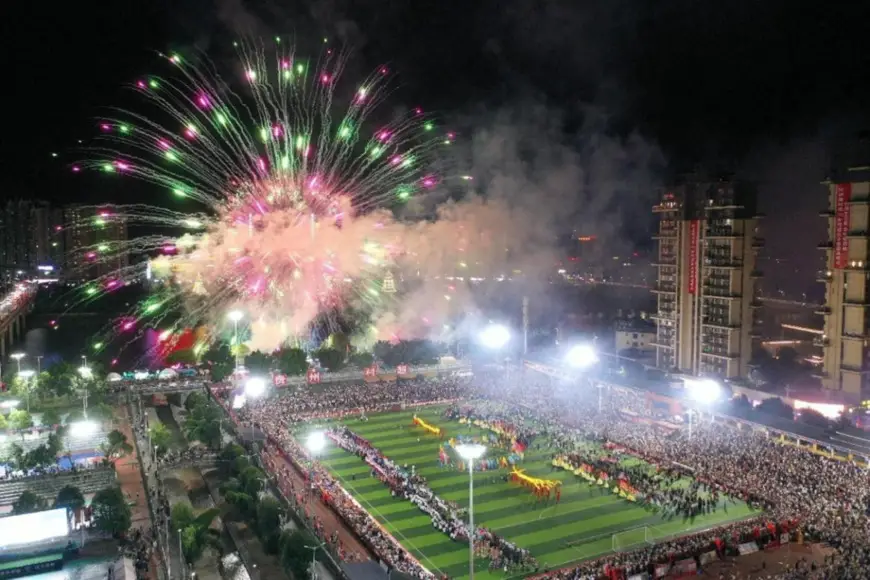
x,y
580,527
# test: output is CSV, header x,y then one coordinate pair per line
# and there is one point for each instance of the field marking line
x,y
396,530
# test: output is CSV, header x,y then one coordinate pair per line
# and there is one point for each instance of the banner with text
x,y
841,225
694,241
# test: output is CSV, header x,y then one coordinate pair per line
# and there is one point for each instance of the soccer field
x,y
580,527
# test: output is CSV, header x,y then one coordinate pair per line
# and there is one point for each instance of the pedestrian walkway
x,y
130,479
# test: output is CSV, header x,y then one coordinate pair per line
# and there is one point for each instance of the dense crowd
x,y
803,493
446,516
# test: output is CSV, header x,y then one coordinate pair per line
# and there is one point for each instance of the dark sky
x,y
758,86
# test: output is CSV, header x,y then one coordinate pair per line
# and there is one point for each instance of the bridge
x,y
14,306
207,461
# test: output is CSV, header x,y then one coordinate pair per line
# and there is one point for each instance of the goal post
x,y
632,539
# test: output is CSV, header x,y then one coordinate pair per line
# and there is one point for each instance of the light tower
x,y
389,285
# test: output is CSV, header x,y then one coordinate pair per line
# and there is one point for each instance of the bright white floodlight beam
x,y
26,374
17,355
235,315
704,390
83,428
316,442
581,356
255,387
495,336
470,451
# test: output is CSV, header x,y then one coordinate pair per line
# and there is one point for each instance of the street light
x,y
25,375
470,452
316,442
236,316
495,336
17,356
255,387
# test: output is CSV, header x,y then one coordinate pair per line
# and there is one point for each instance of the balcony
x,y
663,262
715,292
828,213
666,207
721,234
824,276
854,369
823,310
665,234
855,336
859,200
718,353
723,264
858,233
719,323
663,316
821,341
663,289
856,302
828,245
658,344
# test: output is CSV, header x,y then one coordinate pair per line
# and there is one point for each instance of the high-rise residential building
x,y
706,281
96,242
29,238
846,338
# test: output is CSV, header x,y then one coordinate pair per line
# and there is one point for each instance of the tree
x,y
251,480
160,437
111,513
269,514
294,555
184,356
195,399
258,362
116,445
196,533
4,424
70,497
338,341
814,418
741,406
203,424
330,358
362,359
221,370
292,361
28,502
20,419
776,407
50,418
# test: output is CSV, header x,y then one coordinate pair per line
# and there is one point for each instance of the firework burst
x,y
291,169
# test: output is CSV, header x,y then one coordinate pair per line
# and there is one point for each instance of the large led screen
x,y
33,528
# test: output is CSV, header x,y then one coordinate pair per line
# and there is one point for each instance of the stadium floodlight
x,y
316,442
83,428
235,315
85,372
17,356
703,390
581,356
495,336
255,387
470,452
26,373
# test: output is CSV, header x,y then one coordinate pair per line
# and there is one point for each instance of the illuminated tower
x,y
847,272
705,288
389,285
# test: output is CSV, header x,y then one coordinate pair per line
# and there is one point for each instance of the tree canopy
x,y
111,512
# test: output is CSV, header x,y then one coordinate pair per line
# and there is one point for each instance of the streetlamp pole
x,y
180,553
471,519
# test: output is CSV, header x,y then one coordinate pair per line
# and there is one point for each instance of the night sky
x,y
757,87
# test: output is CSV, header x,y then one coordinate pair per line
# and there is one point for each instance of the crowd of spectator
x,y
804,494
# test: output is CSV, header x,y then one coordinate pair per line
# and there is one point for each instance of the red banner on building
x,y
841,225
402,369
371,372
279,380
313,376
694,242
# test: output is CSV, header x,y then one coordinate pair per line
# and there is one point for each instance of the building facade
x,y
96,241
30,239
706,278
846,338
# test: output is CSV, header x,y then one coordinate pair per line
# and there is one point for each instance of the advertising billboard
x,y
33,528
